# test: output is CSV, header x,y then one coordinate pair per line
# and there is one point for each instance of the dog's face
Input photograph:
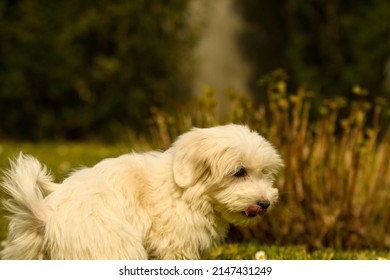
x,y
230,166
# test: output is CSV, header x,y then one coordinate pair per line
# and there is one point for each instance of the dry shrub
x,y
335,187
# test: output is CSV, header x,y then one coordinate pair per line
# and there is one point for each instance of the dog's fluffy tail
x,y
27,182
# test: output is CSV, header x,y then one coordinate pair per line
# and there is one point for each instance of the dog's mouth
x,y
258,209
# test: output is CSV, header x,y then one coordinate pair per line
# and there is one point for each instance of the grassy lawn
x,y
248,251
63,157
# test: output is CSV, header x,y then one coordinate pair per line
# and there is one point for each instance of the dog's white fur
x,y
175,204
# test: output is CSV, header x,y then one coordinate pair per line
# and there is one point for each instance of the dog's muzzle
x,y
260,208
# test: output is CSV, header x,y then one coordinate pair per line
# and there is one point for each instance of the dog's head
x,y
231,166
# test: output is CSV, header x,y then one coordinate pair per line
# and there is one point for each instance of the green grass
x,y
61,157
247,251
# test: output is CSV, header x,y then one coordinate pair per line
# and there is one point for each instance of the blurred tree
x,y
71,69
330,44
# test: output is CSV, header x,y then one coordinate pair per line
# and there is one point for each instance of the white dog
x,y
175,204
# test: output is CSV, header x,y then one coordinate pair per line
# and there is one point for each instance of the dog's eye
x,y
240,173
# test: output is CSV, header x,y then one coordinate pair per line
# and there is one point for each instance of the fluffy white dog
x,y
175,204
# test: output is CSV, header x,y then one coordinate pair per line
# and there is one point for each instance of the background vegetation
x,y
70,70
90,69
330,45
117,71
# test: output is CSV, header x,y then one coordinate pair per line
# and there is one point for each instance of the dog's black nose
x,y
264,203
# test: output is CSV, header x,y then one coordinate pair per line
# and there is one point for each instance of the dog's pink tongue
x,y
253,210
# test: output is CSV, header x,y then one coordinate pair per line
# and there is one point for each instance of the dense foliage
x,y
69,69
331,45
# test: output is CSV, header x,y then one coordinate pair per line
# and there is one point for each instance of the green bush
x,y
75,69
331,45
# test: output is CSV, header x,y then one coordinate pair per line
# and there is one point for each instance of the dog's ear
x,y
183,173
187,153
